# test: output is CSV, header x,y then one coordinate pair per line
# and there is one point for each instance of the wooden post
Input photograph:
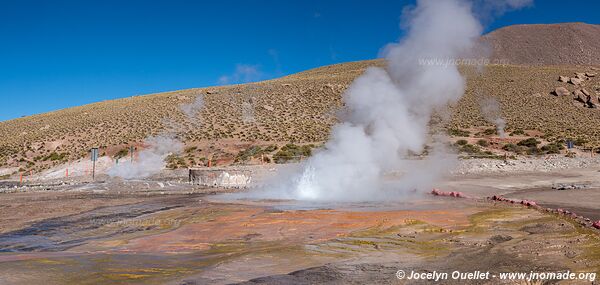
x,y
21,179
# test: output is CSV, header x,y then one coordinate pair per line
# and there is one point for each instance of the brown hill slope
x,y
301,108
298,108
553,44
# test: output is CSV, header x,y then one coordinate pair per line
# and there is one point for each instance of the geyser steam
x,y
389,111
151,159
490,109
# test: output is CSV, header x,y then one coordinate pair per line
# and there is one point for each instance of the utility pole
x,y
94,156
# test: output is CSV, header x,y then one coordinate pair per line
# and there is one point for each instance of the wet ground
x,y
148,233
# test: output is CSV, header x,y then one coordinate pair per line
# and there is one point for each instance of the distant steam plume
x,y
487,10
192,110
490,109
151,159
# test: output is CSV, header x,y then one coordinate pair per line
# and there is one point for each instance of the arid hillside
x,y
301,109
554,44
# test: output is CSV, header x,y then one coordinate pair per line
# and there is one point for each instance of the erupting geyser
x,y
389,111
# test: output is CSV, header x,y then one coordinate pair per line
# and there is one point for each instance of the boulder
x,y
590,104
563,79
268,107
575,81
590,74
561,91
579,96
581,75
587,93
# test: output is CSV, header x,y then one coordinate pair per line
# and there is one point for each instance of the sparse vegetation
x,y
190,149
483,143
517,132
458,133
121,153
553,148
54,156
488,132
470,149
248,153
175,161
292,152
271,148
530,142
301,112
512,148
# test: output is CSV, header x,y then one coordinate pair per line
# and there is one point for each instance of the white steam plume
x,y
151,159
389,111
490,109
489,9
192,110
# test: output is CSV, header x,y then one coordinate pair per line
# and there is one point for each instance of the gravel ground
x,y
479,165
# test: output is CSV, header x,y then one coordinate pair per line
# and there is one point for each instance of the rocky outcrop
x,y
561,91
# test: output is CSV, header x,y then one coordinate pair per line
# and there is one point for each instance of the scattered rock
x,y
581,75
589,103
211,92
549,227
579,96
575,81
561,91
563,79
587,93
562,186
499,239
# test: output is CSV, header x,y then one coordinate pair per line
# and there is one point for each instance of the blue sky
x,y
59,54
